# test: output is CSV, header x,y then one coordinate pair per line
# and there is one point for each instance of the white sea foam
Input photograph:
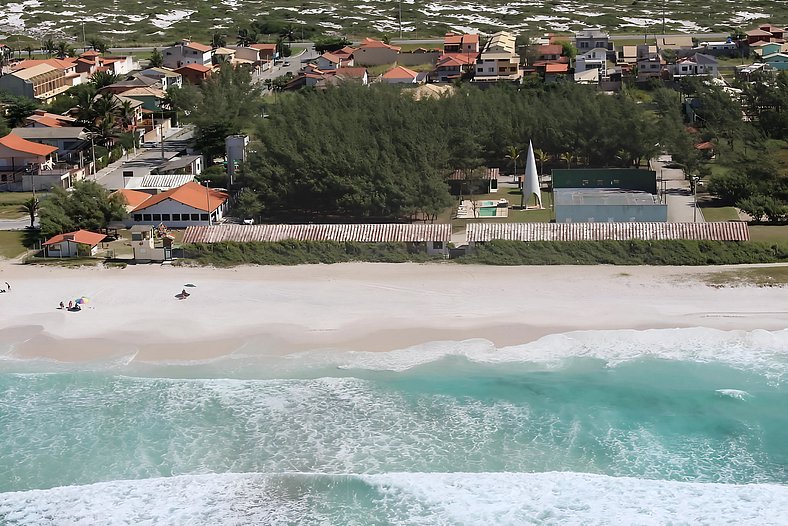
x,y
762,351
734,393
398,498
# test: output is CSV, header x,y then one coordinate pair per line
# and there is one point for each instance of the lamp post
x,y
208,199
695,198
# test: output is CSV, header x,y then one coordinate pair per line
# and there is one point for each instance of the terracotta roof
x,y
550,49
197,46
190,194
352,72
266,47
144,91
457,58
83,237
90,53
134,198
14,142
331,57
556,68
43,120
705,146
194,67
372,43
54,62
757,33
400,72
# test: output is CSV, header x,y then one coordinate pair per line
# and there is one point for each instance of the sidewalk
x,y
678,193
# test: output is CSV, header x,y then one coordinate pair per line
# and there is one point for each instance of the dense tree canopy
x,y
88,205
378,152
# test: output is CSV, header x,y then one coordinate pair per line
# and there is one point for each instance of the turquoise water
x,y
463,434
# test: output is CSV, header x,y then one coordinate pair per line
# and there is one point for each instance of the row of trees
x,y
378,152
87,206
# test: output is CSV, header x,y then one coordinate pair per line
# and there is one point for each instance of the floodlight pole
x,y
208,199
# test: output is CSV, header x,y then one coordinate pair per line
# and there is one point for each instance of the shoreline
x,y
354,307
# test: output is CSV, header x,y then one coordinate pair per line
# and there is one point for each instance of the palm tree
x,y
288,33
84,102
95,43
30,207
568,157
513,156
62,50
102,79
29,50
246,38
126,114
48,46
542,157
218,40
156,59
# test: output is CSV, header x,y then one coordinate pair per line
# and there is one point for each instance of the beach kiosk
x,y
145,247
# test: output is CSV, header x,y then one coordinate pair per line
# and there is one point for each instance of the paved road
x,y
15,224
295,65
681,205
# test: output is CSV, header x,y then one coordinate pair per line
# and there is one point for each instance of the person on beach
x,y
61,306
8,286
70,305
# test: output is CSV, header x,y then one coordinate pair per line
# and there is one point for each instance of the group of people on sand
x,y
72,306
6,289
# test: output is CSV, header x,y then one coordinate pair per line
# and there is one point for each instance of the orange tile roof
x,y
45,121
705,146
14,142
556,68
191,194
372,43
550,49
198,46
194,67
400,72
134,198
54,62
352,72
83,237
457,58
266,47
90,53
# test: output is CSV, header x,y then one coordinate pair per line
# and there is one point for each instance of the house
x,y
222,55
151,97
452,66
549,52
650,63
373,52
697,64
42,82
73,244
553,72
188,164
778,61
259,55
133,198
44,119
402,75
346,53
591,38
627,55
777,32
766,33
498,61
186,205
328,61
467,44
69,140
353,75
763,49
675,42
718,48
195,73
67,65
20,158
592,59
187,52
166,78
130,83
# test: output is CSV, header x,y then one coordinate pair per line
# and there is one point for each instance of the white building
x,y
498,61
593,59
73,244
188,205
186,52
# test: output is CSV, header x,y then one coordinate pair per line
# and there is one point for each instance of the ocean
x,y
686,426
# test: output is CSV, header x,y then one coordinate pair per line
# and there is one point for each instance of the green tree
x,y
97,44
102,79
49,47
18,109
247,205
218,40
30,207
87,206
513,156
156,59
63,50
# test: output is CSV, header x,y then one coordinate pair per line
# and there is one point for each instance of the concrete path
x,y
681,206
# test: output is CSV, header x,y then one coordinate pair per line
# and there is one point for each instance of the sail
x,y
531,182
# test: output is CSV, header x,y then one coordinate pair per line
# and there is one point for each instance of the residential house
x,y
728,48
130,83
195,73
187,205
627,55
223,55
328,61
346,53
466,44
187,52
554,72
678,43
260,56
73,244
777,32
452,66
763,49
188,164
42,82
403,75
696,65
549,53
765,33
650,63
592,38
70,141
68,66
592,59
498,61
44,119
133,198
353,75
778,61
29,164
373,52
151,97
166,78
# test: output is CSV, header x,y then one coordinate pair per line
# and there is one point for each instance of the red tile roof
x,y
197,46
14,142
352,72
550,49
556,68
134,198
194,67
54,62
264,47
400,72
191,194
83,237
457,58
372,43
705,146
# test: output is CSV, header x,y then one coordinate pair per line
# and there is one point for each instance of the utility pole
x,y
84,40
400,19
208,199
695,199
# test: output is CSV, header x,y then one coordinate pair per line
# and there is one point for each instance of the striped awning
x,y
365,233
722,231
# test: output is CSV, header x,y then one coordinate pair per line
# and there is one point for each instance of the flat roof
x,y
602,196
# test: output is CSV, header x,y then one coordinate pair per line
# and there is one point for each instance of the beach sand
x,y
357,306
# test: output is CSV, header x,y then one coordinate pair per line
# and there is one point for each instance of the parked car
x,y
150,144
287,63
248,221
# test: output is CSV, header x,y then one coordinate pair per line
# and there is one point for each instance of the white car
x,y
150,145
248,221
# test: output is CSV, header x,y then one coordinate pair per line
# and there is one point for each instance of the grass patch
x,y
11,243
293,252
11,201
769,233
626,253
63,262
713,212
758,277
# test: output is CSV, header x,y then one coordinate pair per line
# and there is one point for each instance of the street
x,y
678,193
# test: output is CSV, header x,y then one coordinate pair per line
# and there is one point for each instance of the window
x,y
137,217
176,217
491,70
203,217
146,217
195,217
157,217
165,217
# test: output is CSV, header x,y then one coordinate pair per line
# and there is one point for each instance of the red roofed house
x,y
186,205
72,244
133,198
401,75
195,73
21,159
261,55
186,52
466,44
44,119
328,61
451,66
373,52
354,74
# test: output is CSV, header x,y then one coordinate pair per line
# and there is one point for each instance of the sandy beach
x,y
370,307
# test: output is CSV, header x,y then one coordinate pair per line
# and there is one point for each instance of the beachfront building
x,y
186,52
195,73
498,61
20,158
81,243
432,238
186,205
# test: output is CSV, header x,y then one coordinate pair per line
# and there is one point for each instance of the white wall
x,y
170,206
